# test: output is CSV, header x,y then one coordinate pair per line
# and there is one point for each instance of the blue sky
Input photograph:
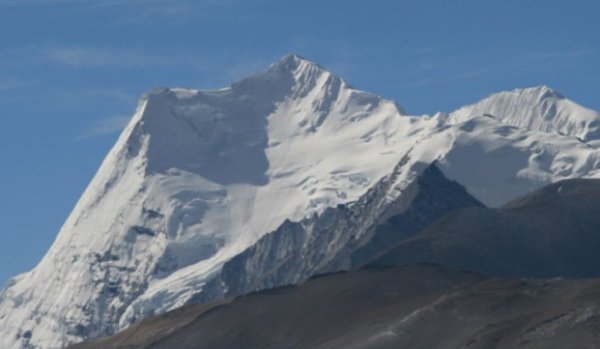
x,y
71,72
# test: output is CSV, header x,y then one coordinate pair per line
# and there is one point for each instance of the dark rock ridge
x,y
552,232
342,237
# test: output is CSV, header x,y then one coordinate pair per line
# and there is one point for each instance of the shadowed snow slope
x,y
199,176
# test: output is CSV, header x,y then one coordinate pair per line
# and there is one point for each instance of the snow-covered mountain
x,y
197,177
538,108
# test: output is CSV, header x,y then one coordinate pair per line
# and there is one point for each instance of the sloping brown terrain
x,y
419,306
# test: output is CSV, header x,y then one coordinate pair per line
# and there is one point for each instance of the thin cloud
x,y
427,49
537,57
106,127
139,5
13,85
134,12
69,98
79,57
444,79
16,3
565,53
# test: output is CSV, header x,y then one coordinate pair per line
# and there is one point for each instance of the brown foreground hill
x,y
418,306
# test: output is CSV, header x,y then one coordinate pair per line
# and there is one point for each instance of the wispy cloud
x,y
426,49
105,127
13,85
79,56
68,98
449,78
564,53
135,12
120,2
78,2
540,56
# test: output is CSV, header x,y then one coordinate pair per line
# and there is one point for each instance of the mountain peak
x,y
296,67
292,61
537,108
541,91
291,58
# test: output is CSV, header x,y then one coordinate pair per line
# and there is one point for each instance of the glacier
x,y
197,177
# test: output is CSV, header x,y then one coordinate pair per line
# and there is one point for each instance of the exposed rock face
x,y
340,238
